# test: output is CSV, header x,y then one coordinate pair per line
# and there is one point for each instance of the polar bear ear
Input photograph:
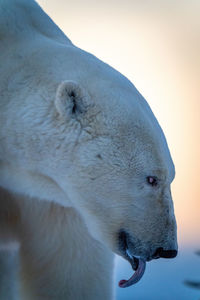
x,y
71,99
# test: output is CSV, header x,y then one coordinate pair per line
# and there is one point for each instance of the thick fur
x,y
77,143
58,258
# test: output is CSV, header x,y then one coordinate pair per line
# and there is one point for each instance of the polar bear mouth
x,y
138,264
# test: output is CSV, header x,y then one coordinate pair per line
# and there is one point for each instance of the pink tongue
x,y
135,277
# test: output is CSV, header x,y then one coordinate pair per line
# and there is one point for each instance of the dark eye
x,y
152,180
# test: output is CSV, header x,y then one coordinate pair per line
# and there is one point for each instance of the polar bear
x,y
85,170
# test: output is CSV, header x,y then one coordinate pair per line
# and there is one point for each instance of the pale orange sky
x,y
156,44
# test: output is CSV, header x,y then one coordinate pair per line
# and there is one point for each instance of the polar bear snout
x,y
130,246
161,253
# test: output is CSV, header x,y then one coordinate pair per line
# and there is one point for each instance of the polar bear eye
x,y
152,180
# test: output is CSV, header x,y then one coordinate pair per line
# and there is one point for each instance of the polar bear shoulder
x,y
21,18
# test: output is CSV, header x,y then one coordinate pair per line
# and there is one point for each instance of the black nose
x,y
160,252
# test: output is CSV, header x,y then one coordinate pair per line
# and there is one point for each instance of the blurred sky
x,y
156,44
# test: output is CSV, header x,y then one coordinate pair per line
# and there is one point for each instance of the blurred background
x,y
156,44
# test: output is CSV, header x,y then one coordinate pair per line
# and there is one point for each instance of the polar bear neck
x,y
23,18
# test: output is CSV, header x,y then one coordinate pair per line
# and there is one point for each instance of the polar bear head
x,y
119,171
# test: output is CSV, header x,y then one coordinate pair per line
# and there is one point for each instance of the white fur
x,y
77,143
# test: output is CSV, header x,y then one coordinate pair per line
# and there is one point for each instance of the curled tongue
x,y
141,265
